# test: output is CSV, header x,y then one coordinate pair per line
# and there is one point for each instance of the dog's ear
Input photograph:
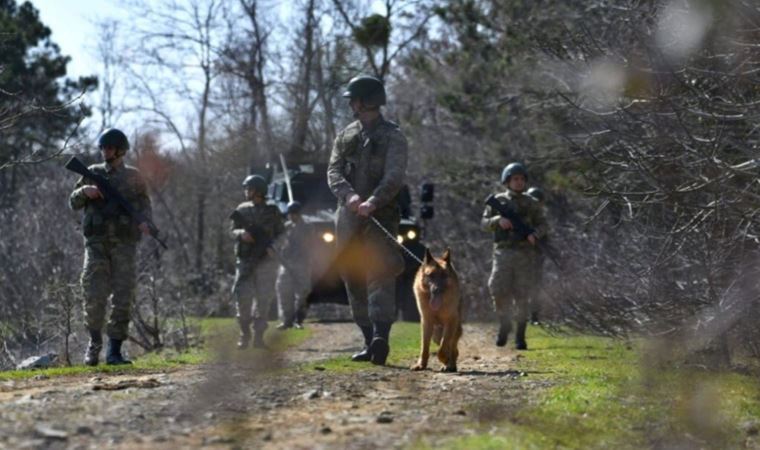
x,y
428,259
447,256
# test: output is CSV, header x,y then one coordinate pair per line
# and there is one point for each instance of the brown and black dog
x,y
436,288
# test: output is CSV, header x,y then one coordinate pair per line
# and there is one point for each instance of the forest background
x,y
638,118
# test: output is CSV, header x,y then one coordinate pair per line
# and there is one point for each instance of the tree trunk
x,y
303,89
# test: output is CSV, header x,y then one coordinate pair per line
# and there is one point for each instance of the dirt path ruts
x,y
252,402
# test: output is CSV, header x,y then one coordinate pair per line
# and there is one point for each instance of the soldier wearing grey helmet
x,y
512,274
110,242
254,226
294,275
366,172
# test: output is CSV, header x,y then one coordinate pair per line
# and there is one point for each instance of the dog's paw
x,y
448,369
417,367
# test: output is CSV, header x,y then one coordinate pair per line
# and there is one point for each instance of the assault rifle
x,y
261,240
522,229
111,194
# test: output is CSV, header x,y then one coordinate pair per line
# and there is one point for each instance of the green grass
x,y
214,333
600,393
602,398
405,347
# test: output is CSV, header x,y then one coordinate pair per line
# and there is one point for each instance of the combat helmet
x,y
256,183
294,207
369,90
512,169
113,137
536,193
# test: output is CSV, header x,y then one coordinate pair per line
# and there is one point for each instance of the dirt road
x,y
261,401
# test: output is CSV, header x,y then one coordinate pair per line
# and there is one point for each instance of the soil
x,y
256,400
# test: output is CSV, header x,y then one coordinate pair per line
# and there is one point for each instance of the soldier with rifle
x,y
518,225
117,211
294,275
254,226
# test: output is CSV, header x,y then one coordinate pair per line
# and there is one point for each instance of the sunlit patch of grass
x,y
405,346
221,331
602,397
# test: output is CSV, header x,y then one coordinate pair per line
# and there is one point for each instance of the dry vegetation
x,y
638,118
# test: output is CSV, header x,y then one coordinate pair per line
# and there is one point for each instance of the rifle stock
x,y
76,166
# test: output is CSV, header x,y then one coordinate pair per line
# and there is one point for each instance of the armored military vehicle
x,y
309,187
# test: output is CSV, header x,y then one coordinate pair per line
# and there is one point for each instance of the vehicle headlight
x,y
328,237
411,235
400,239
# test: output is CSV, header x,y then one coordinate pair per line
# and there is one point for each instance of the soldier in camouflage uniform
x,y
294,275
111,238
538,297
514,257
254,226
366,171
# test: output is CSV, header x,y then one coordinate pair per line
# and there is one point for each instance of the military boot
x,y
259,327
504,328
365,354
113,353
92,355
520,343
379,347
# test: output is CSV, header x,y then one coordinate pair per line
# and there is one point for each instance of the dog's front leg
x,y
448,352
426,328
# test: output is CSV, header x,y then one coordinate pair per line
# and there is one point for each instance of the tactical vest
x,y
262,222
522,207
365,155
105,218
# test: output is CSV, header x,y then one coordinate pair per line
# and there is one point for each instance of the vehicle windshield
x,y
311,190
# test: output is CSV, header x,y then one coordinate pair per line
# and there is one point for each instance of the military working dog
x,y
436,288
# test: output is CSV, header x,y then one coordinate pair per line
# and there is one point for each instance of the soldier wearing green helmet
x,y
370,90
294,275
254,226
366,172
110,243
514,256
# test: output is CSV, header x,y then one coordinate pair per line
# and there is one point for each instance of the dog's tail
x,y
437,334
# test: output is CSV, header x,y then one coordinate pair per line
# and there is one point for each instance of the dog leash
x,y
391,237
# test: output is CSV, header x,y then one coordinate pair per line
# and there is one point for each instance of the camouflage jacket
x,y
529,210
370,162
263,221
106,220
295,244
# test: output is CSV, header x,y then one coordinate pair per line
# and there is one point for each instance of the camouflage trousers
x,y
369,263
292,290
512,282
253,289
109,271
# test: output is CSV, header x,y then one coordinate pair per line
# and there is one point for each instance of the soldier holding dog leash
x,y
366,172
